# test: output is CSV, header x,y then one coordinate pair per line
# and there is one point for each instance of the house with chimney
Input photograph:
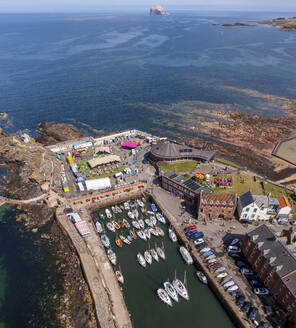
x,y
271,258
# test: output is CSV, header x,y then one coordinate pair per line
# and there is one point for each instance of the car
x,y
234,254
253,313
199,241
293,222
246,307
246,271
264,325
234,241
283,222
255,283
240,301
200,246
234,249
261,291
192,227
240,264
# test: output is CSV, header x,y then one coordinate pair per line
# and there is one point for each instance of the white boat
x,y
141,234
186,255
232,288
116,225
222,275
149,223
105,241
213,256
147,233
141,223
206,249
102,216
212,260
172,235
160,218
136,224
159,231
160,252
119,276
141,260
110,226
153,232
112,256
143,210
169,288
154,254
153,220
162,294
148,257
113,209
130,215
221,269
140,203
151,213
99,227
126,224
125,240
201,276
136,214
118,209
180,288
126,206
108,213
228,284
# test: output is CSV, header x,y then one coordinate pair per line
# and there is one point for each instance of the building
x,y
98,161
255,207
215,206
284,208
98,184
168,151
274,264
180,186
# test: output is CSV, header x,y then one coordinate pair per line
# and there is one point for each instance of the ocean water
x,y
109,71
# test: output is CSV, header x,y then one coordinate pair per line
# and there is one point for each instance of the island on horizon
x,y
158,10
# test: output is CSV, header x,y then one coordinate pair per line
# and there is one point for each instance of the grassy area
x,y
226,162
83,167
187,166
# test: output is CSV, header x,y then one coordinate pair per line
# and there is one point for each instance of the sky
x,y
97,5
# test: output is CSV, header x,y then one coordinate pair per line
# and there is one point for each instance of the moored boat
x,y
153,232
206,249
186,255
159,231
181,289
130,238
141,224
201,276
160,252
99,227
172,235
112,256
119,276
118,242
149,223
232,288
160,218
162,294
108,213
102,216
133,234
140,203
113,209
148,257
153,207
136,224
116,225
126,224
118,209
154,254
141,234
105,241
141,260
121,224
222,275
124,239
169,288
220,269
126,206
153,220
130,215
110,226
147,233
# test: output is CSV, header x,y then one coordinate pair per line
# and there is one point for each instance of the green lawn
x,y
187,166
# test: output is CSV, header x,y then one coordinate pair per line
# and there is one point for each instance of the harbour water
x,y
202,310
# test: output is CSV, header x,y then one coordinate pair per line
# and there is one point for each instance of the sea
x,y
110,71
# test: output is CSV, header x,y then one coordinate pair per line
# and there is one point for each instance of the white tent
x,y
98,184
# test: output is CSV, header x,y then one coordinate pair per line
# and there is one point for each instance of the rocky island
x,y
157,10
283,24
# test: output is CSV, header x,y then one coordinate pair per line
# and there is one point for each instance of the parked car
x,y
264,325
234,249
255,283
199,241
200,246
246,271
283,222
234,241
240,301
253,313
240,264
246,307
234,254
261,291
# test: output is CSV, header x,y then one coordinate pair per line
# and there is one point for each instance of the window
x,y
247,209
252,216
255,210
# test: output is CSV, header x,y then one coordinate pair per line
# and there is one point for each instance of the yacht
x,y
136,224
153,208
126,206
172,235
147,233
141,260
110,226
116,225
118,242
136,213
201,276
141,234
186,255
141,223
153,220
149,223
159,231
108,213
148,257
153,232
162,294
105,241
169,288
126,224
160,218
112,256
222,275
124,239
99,227
130,215
118,209
180,288
140,203
119,276
154,254
102,216
160,252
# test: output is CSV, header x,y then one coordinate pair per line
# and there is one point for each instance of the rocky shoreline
x,y
282,23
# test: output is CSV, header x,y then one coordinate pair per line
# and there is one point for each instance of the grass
x,y
187,166
226,162
83,167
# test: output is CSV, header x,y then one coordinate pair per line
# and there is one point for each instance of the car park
x,y
246,307
240,301
253,313
261,291
246,271
240,264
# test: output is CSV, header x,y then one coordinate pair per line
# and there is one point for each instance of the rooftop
x,y
284,202
218,199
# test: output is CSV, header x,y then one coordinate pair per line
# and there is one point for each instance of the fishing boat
x,y
159,231
228,284
148,257
140,203
141,260
220,269
186,255
110,226
181,289
133,234
105,241
116,225
126,206
172,235
222,275
160,252
160,218
149,223
108,213
119,276
130,238
153,220
118,242
126,224
124,239
121,224
141,224
201,276
111,256
232,288
99,227
147,233
162,294
153,208
171,291
206,249
153,232
154,254
141,234
136,224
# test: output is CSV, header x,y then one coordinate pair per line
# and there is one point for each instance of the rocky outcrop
x,y
282,23
51,133
157,10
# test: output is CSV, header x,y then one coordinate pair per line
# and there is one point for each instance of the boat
x,y
201,276
112,256
153,220
162,294
172,235
140,203
154,254
222,275
171,291
206,249
232,288
130,215
212,260
143,210
159,231
228,284
141,260
110,226
135,213
186,255
118,242
160,252
99,227
132,233
113,209
141,224
108,213
116,225
213,256
121,224
136,224
153,232
147,233
102,216
126,224
220,269
118,209
149,223
153,208
151,213
119,276
180,288
124,239
126,206
148,257
105,241
141,234
130,238
160,218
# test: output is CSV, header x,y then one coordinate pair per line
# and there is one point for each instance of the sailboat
x,y
160,251
180,287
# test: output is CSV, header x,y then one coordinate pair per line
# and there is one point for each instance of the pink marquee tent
x,y
130,144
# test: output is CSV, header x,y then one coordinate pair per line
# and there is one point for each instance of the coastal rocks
x,y
51,133
282,23
4,116
157,10
238,24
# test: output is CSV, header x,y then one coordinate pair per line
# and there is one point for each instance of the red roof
x,y
284,202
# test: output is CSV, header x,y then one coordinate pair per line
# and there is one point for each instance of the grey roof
x,y
261,201
275,250
274,202
290,282
246,198
169,150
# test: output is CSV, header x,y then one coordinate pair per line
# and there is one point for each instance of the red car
x,y
192,227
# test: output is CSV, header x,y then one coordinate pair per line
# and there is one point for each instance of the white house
x,y
254,207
